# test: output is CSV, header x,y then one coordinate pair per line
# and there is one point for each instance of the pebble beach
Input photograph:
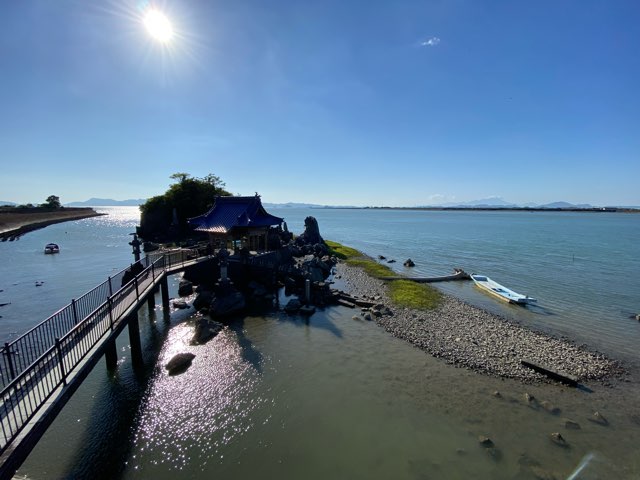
x,y
467,336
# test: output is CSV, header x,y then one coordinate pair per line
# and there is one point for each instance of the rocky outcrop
x,y
311,234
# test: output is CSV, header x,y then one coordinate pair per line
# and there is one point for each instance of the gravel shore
x,y
470,337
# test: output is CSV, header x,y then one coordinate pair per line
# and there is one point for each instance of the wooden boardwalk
x,y
42,369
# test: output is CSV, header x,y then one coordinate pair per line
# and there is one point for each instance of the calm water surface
x,y
333,397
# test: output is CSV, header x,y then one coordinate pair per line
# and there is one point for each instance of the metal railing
x,y
34,365
18,354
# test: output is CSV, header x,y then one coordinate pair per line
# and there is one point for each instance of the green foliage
x,y
371,267
52,202
406,293
340,251
190,197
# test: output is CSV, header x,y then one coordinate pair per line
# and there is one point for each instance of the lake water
x,y
332,397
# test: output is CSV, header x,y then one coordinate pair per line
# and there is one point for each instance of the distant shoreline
x,y
497,209
13,224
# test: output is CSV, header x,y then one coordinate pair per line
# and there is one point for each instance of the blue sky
x,y
396,103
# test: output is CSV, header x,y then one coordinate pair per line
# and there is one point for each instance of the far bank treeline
x,y
164,217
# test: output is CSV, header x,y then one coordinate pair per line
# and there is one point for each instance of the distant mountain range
x,y
107,202
497,202
302,205
491,202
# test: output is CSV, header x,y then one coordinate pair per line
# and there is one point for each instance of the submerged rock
x,y
570,424
549,407
598,418
559,440
409,263
485,441
179,363
180,304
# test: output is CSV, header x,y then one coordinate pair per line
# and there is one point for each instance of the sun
x,y
158,26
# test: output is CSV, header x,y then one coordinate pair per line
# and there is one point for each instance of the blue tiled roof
x,y
230,212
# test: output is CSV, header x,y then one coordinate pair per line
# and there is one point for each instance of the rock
x,y
549,407
180,304
598,418
226,304
311,234
559,440
638,316
531,400
368,317
381,257
541,474
485,441
179,363
355,317
391,261
497,394
409,263
570,424
292,305
203,300
185,288
205,330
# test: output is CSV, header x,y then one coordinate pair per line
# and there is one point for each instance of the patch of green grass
x,y
406,293
371,267
403,293
340,251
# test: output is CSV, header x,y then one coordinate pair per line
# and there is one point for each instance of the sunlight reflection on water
x,y
201,410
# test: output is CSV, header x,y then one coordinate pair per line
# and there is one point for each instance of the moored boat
x,y
500,291
51,248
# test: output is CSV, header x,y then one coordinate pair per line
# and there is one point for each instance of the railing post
x,y
75,311
110,288
61,361
153,273
135,282
110,312
7,352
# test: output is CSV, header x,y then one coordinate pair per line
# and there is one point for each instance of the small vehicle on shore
x,y
497,290
51,248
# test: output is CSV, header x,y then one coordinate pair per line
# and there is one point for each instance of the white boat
x,y
51,248
503,293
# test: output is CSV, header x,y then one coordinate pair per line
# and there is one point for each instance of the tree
x,y
179,176
52,202
189,197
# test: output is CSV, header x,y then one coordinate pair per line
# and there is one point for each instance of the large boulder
x,y
311,234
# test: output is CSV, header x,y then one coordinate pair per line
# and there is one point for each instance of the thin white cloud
x,y
430,42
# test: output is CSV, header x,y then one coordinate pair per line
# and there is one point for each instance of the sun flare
x,y
158,26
